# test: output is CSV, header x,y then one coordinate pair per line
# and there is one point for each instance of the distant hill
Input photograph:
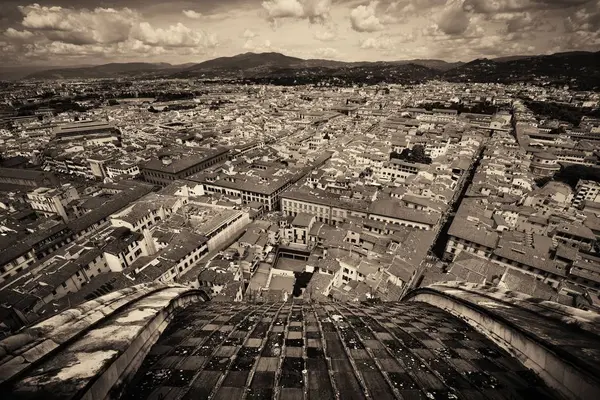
x,y
112,70
439,65
579,69
509,58
249,65
278,68
22,71
248,61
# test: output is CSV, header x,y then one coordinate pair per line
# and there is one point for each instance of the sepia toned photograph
x,y
300,200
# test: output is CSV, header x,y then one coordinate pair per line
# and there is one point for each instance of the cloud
x,y
258,47
363,18
192,14
101,25
580,40
325,35
404,37
107,26
401,10
174,36
248,34
518,22
100,32
449,29
586,19
12,33
504,6
453,21
284,9
377,43
327,52
314,10
524,18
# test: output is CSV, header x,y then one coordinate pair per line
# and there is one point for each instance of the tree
x,y
416,155
573,173
541,182
418,151
366,173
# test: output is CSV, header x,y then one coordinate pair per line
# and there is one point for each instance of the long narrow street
x,y
439,246
436,252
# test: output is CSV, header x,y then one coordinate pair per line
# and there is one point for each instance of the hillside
x,y
281,69
113,70
439,65
578,69
12,73
251,66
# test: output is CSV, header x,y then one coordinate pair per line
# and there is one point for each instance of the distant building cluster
x,y
267,193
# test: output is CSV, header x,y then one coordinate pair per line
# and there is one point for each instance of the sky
x,y
68,32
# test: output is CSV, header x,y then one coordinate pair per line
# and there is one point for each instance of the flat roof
x,y
183,163
83,127
394,209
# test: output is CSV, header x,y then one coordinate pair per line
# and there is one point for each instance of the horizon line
x,y
87,65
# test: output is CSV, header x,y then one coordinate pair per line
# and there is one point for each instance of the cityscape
x,y
273,223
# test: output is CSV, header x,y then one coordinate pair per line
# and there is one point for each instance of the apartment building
x,y
168,169
53,201
586,191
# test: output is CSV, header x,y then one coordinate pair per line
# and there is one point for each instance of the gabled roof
x,y
393,209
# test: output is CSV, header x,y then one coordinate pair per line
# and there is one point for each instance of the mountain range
x,y
576,68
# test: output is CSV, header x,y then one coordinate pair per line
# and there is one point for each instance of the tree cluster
x,y
58,105
561,112
416,155
174,96
573,173
479,108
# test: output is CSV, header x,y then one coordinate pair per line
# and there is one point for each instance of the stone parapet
x,y
87,351
561,344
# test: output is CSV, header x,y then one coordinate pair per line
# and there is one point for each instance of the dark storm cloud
x,y
506,6
9,14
